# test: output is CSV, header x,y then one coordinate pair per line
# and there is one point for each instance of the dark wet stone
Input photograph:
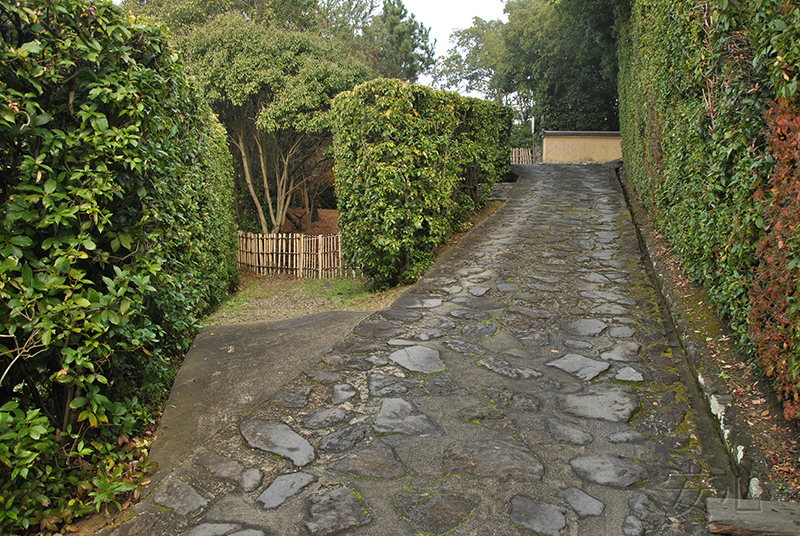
x,y
605,255
213,529
326,418
398,416
140,524
609,470
438,514
602,401
293,399
336,511
504,368
516,352
493,459
400,315
632,526
478,291
601,296
324,377
342,392
479,304
479,330
180,497
343,439
668,378
429,334
414,302
542,518
629,374
543,288
357,346
376,360
672,414
623,351
620,332
578,345
580,366
608,309
359,364
539,338
466,314
335,361
440,385
596,278
283,488
606,236
376,461
542,314
546,278
506,286
386,385
567,432
277,438
584,504
626,436
248,479
585,328
378,330
662,360
418,359
464,347
438,281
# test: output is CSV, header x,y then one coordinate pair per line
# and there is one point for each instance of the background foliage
x,y
697,84
553,60
116,234
409,161
272,89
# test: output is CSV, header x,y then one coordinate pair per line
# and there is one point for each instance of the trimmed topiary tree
x,y
409,161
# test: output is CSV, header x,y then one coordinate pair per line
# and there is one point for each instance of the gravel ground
x,y
281,297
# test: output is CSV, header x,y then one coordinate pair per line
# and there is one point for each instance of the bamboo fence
x,y
309,256
521,155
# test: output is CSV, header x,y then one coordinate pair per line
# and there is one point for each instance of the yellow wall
x,y
581,147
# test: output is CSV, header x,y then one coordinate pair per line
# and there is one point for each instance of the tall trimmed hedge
x,y
708,98
410,162
116,234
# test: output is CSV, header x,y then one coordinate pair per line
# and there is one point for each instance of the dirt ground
x,y
327,224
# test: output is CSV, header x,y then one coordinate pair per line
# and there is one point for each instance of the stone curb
x,y
751,482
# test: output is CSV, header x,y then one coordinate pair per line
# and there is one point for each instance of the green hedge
x,y
696,83
409,164
116,234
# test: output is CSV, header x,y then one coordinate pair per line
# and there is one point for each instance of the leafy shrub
x,y
409,162
775,310
696,81
116,233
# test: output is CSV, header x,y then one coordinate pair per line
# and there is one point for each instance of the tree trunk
x,y
241,143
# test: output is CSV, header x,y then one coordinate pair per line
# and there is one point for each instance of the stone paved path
x,y
525,386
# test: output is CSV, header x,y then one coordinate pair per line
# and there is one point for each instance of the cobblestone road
x,y
525,385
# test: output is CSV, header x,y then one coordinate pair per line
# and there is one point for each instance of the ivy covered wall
x,y
708,109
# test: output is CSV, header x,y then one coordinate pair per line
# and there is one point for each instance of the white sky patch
x,y
445,16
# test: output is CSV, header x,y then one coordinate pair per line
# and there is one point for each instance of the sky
x,y
444,16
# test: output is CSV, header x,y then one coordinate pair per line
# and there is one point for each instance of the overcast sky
x,y
444,16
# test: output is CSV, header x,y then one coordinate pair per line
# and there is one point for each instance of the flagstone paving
x,y
526,385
